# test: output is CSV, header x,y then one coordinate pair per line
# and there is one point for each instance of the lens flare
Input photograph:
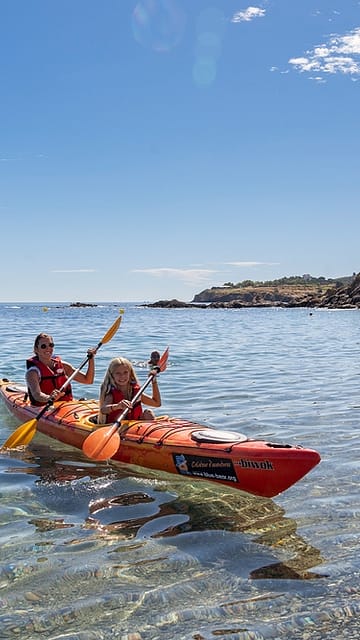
x,y
211,25
158,24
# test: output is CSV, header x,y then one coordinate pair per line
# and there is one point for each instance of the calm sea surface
x,y
94,552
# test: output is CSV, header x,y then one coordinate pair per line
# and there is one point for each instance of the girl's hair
x,y
39,337
109,382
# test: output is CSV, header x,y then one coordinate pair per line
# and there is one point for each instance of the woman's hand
x,y
56,395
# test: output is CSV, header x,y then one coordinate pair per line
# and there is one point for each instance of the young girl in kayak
x,y
119,387
46,373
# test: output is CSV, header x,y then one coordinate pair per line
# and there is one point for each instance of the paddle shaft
x,y
157,369
26,431
88,358
63,386
134,400
111,437
103,443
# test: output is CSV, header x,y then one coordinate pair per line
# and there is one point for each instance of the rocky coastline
x,y
334,297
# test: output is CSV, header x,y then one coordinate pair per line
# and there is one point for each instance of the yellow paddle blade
x,y
22,435
101,444
111,332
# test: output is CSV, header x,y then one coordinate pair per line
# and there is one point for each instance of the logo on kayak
x,y
205,467
264,465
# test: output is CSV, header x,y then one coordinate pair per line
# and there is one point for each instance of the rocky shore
x,y
287,296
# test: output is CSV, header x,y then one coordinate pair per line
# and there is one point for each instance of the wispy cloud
x,y
333,12
187,276
21,155
73,271
252,264
199,275
277,69
248,14
341,54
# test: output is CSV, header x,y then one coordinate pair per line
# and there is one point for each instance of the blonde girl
x,y
119,387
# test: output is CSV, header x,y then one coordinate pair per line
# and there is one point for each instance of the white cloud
x,y
73,270
248,14
199,276
318,79
187,276
340,55
252,264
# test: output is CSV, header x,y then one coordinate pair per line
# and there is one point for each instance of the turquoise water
x,y
92,552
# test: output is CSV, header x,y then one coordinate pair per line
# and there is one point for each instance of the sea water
x,y
90,551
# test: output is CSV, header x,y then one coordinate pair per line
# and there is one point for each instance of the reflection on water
x,y
168,507
140,543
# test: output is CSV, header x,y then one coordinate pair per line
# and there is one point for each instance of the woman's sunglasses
x,y
45,346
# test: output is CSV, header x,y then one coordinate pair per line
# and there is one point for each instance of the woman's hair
x,y
39,337
109,382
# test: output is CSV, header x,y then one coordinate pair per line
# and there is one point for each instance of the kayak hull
x,y
174,445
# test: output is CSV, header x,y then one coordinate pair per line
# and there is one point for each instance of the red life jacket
x,y
133,414
50,378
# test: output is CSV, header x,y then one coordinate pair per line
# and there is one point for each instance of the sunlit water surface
x,y
92,551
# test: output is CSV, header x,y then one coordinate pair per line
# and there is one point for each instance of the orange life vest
x,y
50,378
133,414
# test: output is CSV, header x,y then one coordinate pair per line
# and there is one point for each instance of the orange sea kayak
x,y
192,450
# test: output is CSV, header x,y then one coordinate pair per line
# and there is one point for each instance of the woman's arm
x,y
84,378
33,382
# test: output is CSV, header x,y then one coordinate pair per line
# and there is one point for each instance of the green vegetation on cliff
x,y
288,291
306,280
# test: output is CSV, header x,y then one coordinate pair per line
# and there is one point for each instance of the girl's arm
x,y
155,400
108,405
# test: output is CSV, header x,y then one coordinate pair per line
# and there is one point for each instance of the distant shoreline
x,y
308,295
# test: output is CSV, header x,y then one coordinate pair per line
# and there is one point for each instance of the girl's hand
x,y
124,404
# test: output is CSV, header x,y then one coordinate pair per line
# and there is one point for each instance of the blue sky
x,y
152,149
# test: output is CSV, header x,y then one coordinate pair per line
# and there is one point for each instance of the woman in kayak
x,y
119,387
47,373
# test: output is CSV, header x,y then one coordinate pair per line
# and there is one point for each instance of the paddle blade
x,y
163,360
22,435
111,332
102,444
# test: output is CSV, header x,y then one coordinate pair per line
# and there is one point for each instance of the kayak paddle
x,y
25,433
104,442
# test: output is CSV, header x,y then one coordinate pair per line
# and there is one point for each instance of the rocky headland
x,y
82,304
337,295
